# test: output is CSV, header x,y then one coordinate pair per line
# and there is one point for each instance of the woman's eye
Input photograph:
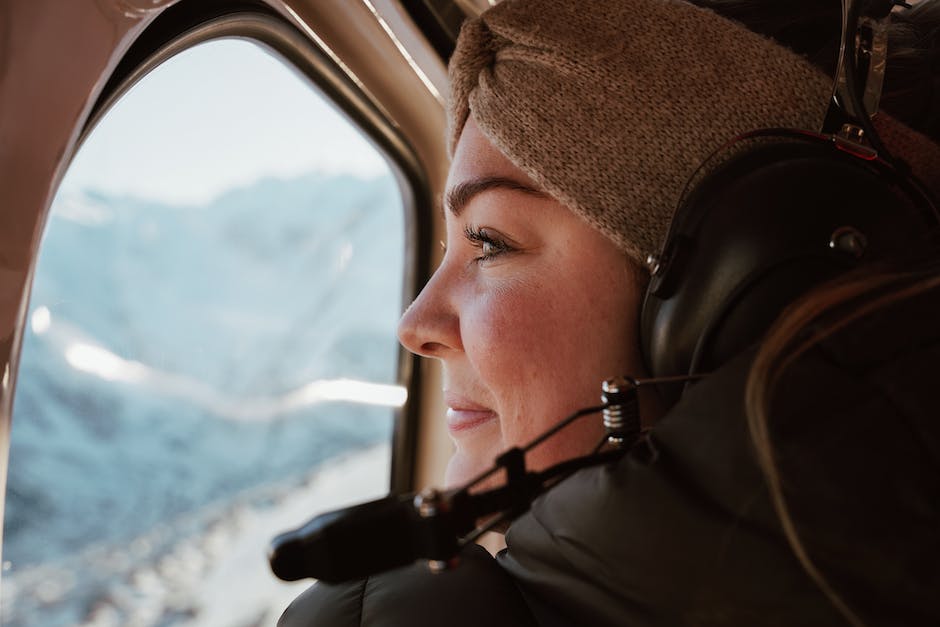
x,y
489,244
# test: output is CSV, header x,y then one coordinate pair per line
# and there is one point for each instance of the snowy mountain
x,y
179,369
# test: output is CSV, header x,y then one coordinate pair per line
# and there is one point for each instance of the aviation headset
x,y
791,210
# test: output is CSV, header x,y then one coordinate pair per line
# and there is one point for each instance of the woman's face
x,y
530,309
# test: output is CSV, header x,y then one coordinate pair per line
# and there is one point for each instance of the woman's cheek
x,y
501,336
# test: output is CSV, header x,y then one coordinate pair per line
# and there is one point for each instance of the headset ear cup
x,y
755,235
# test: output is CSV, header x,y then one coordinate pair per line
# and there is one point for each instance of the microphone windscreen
x,y
349,543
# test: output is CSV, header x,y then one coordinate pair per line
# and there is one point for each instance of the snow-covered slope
x,y
165,387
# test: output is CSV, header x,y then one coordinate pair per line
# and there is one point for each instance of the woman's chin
x,y
463,468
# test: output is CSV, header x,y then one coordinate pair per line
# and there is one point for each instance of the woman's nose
x,y
430,327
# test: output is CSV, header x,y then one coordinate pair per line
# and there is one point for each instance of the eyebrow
x,y
461,194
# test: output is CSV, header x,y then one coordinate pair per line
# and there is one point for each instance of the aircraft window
x,y
211,355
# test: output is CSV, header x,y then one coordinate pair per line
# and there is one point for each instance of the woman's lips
x,y
464,415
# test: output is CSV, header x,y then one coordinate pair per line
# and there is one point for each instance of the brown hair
x,y
804,325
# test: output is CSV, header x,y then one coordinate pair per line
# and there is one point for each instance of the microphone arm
x,y
366,539
380,535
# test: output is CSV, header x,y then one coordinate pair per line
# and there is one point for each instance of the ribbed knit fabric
x,y
612,105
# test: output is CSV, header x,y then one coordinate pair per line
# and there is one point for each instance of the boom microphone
x,y
355,542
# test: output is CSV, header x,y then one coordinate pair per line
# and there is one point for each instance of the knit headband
x,y
612,105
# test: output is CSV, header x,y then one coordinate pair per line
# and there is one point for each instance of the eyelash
x,y
481,239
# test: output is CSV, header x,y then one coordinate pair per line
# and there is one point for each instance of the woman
x,y
601,175
575,130
504,271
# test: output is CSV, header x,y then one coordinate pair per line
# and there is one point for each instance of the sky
x,y
220,115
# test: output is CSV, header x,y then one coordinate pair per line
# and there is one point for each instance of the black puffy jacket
x,y
687,535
